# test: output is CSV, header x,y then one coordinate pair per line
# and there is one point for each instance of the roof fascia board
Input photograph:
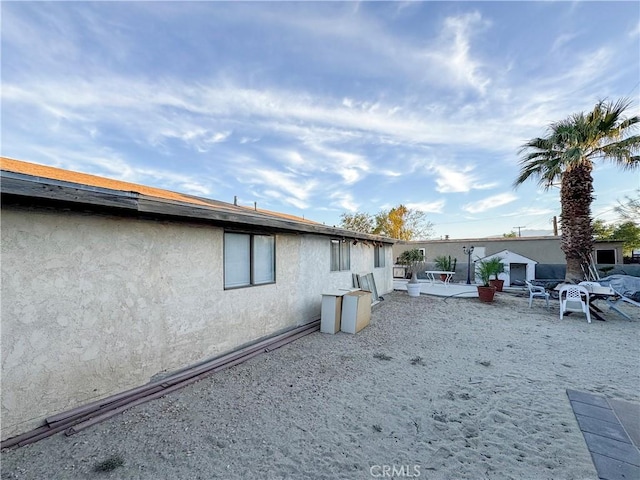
x,y
43,188
22,185
152,205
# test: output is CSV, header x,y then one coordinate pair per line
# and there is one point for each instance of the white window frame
x,y
343,250
255,255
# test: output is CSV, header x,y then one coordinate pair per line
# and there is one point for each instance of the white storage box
x,y
356,311
331,311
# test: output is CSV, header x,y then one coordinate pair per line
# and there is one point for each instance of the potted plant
x,y
497,267
412,259
445,264
485,269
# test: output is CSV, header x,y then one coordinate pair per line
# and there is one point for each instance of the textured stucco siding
x,y
94,305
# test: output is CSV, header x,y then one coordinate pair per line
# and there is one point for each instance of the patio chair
x,y
574,298
622,298
536,292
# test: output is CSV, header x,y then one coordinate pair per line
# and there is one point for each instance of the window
x,y
606,257
378,256
249,259
340,255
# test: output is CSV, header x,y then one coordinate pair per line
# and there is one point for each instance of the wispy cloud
x,y
199,139
489,203
344,200
529,212
449,180
436,206
289,187
333,106
453,52
390,173
202,115
457,179
562,40
113,165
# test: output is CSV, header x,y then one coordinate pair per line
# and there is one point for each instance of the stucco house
x,y
107,284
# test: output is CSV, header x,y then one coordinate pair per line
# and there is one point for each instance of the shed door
x,y
517,272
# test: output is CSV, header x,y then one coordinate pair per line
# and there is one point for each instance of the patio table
x,y
431,275
595,293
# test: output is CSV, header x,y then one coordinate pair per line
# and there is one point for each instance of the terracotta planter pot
x,y
497,283
485,294
443,277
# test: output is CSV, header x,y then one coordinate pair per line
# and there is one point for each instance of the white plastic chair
x,y
574,298
536,292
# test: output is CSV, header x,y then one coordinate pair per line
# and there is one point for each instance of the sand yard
x,y
434,388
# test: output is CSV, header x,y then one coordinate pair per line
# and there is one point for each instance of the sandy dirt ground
x,y
434,388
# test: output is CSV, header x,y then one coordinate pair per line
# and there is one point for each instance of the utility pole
x,y
521,226
555,226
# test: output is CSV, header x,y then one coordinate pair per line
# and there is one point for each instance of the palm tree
x,y
567,154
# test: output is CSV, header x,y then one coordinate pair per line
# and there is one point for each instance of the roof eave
x,y
31,187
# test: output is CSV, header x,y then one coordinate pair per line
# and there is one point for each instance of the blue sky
x,y
319,108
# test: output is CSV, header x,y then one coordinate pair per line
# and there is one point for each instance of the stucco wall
x,y
94,305
317,258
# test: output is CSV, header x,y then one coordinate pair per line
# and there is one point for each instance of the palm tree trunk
x,y
577,229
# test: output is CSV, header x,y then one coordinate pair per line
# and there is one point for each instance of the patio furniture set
x,y
582,297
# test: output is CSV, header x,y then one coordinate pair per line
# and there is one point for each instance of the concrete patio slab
x,y
611,430
629,415
589,398
612,434
608,447
612,469
601,413
439,289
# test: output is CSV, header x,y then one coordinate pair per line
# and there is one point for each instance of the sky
x,y
320,108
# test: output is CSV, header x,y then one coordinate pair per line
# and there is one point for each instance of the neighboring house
x,y
540,250
106,284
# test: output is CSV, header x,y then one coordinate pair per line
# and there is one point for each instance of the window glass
x,y
335,255
263,259
237,260
340,255
378,260
345,257
249,259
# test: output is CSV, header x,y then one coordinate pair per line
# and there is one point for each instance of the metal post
x,y
468,252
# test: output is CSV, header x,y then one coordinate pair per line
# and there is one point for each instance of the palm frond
x,y
629,123
567,153
578,140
